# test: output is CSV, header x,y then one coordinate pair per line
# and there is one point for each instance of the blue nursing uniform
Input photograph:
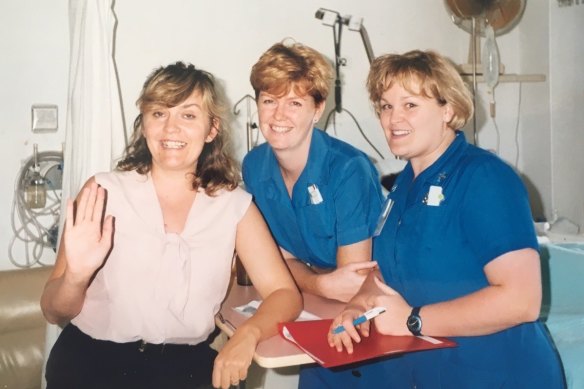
x,y
445,225
313,226
335,202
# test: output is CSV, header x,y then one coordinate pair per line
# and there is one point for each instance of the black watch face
x,y
414,324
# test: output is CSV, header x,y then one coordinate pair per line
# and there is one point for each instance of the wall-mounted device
x,y
36,208
487,18
35,190
44,118
249,124
354,23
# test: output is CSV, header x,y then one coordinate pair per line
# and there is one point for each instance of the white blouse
x,y
157,286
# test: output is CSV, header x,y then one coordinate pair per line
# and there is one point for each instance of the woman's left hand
x,y
374,293
234,359
351,334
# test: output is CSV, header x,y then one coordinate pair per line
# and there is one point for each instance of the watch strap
x,y
416,311
415,322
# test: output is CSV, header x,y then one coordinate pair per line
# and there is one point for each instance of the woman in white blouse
x,y
147,250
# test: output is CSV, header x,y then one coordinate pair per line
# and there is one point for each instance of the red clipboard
x,y
311,337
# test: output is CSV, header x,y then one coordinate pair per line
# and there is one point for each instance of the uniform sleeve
x,y
496,216
357,201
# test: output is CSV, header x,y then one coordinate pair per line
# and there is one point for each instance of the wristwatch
x,y
414,322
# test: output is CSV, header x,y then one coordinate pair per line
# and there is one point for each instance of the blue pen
x,y
370,314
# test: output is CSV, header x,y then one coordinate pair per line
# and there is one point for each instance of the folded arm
x,y
281,300
353,264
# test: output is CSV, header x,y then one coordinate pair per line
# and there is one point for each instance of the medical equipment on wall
x,y
334,20
250,125
35,191
490,61
36,207
487,18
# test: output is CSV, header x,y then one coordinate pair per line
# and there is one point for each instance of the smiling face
x,y
176,135
415,126
287,121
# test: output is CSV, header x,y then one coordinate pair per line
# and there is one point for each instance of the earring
x,y
314,120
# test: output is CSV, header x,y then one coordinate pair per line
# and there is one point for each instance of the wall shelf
x,y
508,78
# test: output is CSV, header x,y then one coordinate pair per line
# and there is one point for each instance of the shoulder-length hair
x,y
169,86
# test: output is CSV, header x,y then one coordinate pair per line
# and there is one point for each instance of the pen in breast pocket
x,y
370,314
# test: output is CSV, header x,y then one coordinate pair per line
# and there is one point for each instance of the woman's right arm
x,y
84,246
282,301
353,265
356,196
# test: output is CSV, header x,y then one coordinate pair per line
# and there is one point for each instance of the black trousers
x,y
78,361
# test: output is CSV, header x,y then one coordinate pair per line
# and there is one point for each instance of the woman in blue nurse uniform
x,y
320,196
457,252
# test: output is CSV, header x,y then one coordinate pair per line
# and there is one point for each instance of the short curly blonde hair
x,y
435,76
283,66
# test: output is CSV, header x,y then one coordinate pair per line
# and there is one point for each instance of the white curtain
x,y
95,135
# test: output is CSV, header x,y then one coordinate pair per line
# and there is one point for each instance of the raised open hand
x,y
87,240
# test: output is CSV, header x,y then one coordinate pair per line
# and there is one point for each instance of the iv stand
x,y
474,46
249,126
337,27
366,43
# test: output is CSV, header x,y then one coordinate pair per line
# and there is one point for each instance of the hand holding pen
x,y
370,314
345,334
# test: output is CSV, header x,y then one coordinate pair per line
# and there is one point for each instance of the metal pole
x,y
474,81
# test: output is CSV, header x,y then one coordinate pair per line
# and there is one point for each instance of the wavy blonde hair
x,y
169,86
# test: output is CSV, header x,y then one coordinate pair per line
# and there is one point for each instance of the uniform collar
x,y
318,154
442,166
313,171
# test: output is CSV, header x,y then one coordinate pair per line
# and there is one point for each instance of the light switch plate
x,y
45,118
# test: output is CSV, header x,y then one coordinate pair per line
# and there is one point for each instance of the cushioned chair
x,y
22,327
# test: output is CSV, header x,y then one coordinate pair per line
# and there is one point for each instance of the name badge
x,y
383,216
435,196
314,193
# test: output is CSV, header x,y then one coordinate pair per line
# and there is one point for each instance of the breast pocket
x,y
319,220
318,228
432,224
